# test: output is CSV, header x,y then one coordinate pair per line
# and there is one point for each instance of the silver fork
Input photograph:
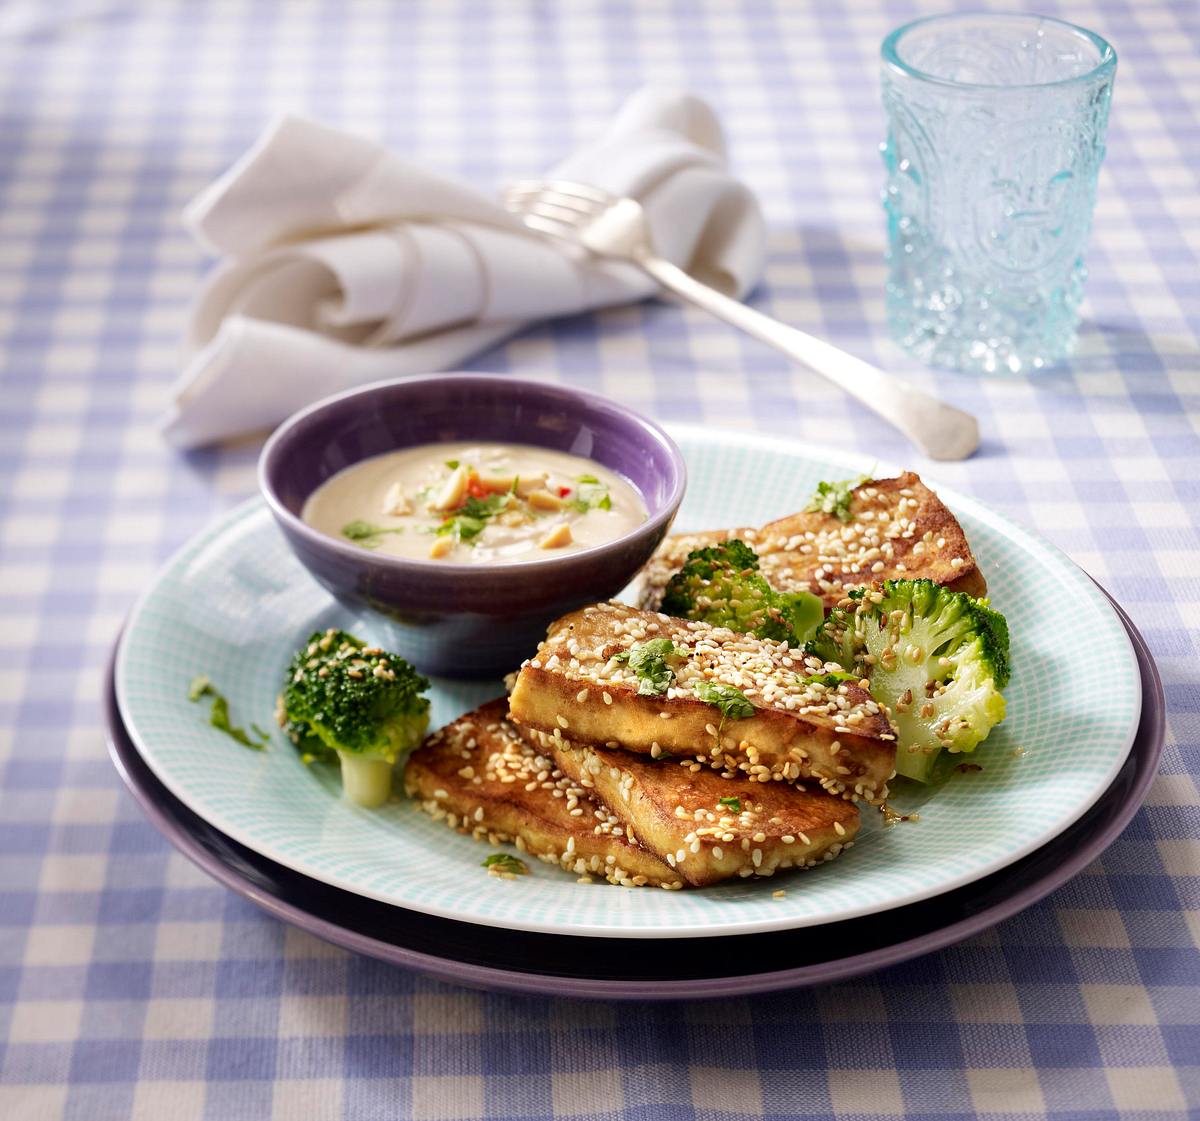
x,y
617,228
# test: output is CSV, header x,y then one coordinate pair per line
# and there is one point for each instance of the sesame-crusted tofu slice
x,y
801,727
480,777
706,827
897,529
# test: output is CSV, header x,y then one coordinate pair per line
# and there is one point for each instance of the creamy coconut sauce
x,y
475,504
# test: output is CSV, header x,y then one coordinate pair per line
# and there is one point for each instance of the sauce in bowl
x,y
475,503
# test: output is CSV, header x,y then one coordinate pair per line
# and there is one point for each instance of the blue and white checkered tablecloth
x,y
133,987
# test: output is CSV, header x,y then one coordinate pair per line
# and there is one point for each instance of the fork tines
x,y
523,188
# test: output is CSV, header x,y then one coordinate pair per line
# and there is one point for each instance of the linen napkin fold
x,y
343,263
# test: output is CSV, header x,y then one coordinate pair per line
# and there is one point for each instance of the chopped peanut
x,y
544,500
523,485
500,484
441,547
396,503
559,536
527,484
454,490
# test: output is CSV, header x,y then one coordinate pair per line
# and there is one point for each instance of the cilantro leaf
x,y
732,803
732,702
593,495
367,534
829,680
218,716
649,661
471,519
834,497
505,862
452,464
484,507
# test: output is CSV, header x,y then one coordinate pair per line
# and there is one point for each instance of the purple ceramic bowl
x,y
454,619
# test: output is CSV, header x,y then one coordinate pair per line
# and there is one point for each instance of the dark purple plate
x,y
665,969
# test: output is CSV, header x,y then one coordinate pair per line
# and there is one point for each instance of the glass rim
x,y
891,57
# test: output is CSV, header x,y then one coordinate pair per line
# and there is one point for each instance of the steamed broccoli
x,y
937,658
358,703
721,585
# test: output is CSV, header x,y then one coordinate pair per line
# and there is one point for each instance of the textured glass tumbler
x,y
995,137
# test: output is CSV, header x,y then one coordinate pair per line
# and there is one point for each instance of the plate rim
x,y
500,979
852,461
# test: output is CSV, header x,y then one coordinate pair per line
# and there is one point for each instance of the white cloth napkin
x,y
343,263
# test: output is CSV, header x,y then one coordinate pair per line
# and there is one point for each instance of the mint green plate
x,y
234,604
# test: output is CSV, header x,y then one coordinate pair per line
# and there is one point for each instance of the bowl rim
x,y
415,565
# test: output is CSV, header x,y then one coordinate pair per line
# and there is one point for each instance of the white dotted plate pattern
x,y
234,604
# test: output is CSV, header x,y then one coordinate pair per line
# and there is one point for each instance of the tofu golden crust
x,y
898,528
801,728
480,777
706,827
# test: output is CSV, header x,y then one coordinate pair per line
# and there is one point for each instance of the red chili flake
x,y
563,492
475,488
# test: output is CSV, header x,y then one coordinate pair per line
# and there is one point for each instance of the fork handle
x,y
939,430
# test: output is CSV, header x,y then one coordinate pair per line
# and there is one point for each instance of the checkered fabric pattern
x,y
133,987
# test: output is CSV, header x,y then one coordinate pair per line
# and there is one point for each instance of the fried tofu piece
x,y
898,529
706,827
801,728
480,777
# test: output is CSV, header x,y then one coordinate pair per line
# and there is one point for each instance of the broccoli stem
x,y
366,779
917,764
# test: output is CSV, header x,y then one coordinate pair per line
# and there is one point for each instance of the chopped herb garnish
x,y
452,464
734,804
484,507
505,862
471,519
593,495
829,680
463,527
218,717
732,702
366,534
834,498
649,661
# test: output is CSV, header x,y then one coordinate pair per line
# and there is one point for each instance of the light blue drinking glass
x,y
995,136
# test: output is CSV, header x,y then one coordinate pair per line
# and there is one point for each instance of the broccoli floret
x,y
835,498
358,703
937,658
721,585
